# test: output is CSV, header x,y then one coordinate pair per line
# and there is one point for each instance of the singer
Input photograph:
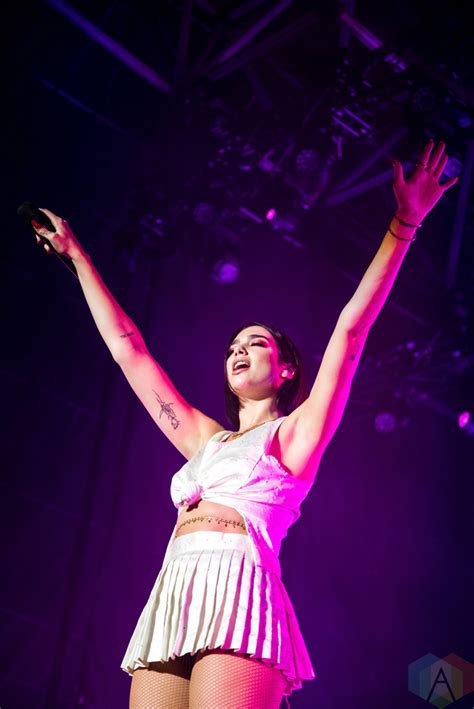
x,y
219,629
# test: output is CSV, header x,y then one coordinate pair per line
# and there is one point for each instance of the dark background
x,y
159,186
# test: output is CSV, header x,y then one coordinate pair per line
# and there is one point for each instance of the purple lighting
x,y
385,422
463,419
271,214
225,272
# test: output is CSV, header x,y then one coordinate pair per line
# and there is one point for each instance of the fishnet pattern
x,y
226,680
163,685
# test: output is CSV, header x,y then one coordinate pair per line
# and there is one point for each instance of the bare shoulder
x,y
295,448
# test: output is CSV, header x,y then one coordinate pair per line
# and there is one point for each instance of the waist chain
x,y
202,518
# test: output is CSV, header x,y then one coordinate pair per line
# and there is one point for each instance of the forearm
x,y
363,308
119,332
415,197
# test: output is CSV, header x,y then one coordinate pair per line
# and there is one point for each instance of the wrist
x,y
403,235
79,256
412,216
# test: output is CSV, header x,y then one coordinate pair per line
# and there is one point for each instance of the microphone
x,y
30,213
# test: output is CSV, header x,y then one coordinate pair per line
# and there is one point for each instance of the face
x,y
261,377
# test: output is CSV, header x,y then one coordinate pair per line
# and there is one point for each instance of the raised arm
x,y
306,432
185,426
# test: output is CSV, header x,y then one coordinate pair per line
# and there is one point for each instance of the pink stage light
x,y
463,419
271,214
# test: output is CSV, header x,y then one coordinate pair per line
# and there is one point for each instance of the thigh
x,y
227,680
162,685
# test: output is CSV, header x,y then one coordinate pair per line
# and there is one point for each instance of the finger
x,y
47,248
42,230
436,157
57,221
440,168
425,155
398,172
449,183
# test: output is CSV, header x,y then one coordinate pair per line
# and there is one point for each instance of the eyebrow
x,y
250,337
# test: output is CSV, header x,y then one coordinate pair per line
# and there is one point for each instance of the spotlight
x,y
464,419
219,253
270,214
226,270
385,422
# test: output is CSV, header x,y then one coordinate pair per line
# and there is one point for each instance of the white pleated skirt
x,y
212,595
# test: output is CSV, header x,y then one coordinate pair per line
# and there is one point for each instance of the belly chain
x,y
202,518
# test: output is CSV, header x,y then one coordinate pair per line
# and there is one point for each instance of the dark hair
x,y
290,394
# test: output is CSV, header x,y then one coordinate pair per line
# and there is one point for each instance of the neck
x,y
257,412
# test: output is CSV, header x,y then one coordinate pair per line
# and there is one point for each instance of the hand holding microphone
x,y
53,233
61,240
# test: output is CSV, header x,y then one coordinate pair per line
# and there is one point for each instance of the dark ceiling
x,y
234,105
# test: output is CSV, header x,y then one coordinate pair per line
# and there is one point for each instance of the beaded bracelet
x,y
414,226
401,237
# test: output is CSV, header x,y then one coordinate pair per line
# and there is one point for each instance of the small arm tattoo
x,y
166,409
357,341
127,334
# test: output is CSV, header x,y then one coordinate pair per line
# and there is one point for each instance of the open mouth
x,y
241,367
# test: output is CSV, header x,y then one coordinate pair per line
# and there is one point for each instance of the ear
x,y
288,372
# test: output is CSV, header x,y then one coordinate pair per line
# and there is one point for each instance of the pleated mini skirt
x,y
211,594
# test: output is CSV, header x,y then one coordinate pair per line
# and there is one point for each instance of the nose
x,y
239,350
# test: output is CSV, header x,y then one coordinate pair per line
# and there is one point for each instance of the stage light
x,y
219,252
226,270
464,419
271,214
385,422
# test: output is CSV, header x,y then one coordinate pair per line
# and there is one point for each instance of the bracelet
x,y
414,226
401,237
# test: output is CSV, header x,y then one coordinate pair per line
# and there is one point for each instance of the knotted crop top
x,y
243,475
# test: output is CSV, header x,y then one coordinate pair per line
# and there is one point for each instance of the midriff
x,y
210,524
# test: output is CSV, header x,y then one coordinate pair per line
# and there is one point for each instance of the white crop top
x,y
243,475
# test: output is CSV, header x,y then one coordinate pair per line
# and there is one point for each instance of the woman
x,y
218,629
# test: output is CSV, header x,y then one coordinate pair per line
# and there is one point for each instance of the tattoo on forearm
x,y
127,334
166,409
355,349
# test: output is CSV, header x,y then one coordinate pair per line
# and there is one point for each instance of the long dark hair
x,y
291,393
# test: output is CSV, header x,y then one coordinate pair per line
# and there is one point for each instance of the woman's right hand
x,y
62,240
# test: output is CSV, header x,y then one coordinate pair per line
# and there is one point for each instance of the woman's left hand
x,y
418,195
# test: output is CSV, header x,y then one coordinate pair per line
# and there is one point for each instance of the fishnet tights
x,y
213,679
